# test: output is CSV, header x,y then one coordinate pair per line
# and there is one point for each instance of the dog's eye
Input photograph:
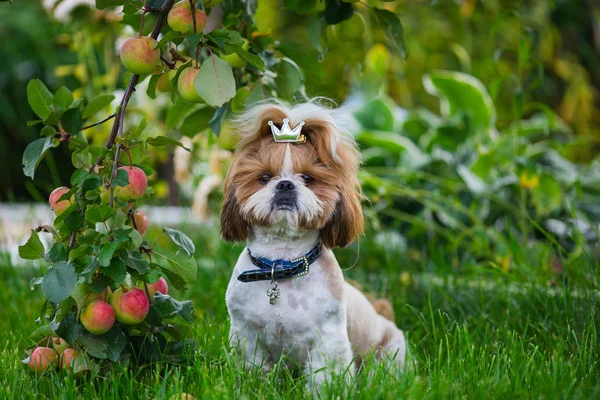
x,y
265,178
307,179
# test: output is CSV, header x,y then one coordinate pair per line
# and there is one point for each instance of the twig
x,y
72,241
171,65
193,11
111,116
117,127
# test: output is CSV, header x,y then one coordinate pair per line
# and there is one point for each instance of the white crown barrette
x,y
286,134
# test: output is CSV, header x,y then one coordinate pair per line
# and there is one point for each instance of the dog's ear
x,y
347,221
233,226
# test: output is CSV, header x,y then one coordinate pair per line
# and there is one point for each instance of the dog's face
x,y
292,188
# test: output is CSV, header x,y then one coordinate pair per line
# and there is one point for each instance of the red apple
x,y
140,55
185,85
42,358
59,206
98,317
159,286
180,18
60,345
67,358
141,221
138,182
131,305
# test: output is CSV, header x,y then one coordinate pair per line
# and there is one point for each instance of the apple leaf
x,y
289,78
116,342
392,27
102,4
337,11
98,213
160,141
40,98
95,346
33,249
106,253
59,281
245,55
215,82
166,306
63,98
180,265
71,121
216,121
69,329
97,104
121,178
34,153
182,240
151,91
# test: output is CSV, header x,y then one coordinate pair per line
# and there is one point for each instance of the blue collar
x,y
275,270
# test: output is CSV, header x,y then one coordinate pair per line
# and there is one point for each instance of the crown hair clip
x,y
286,134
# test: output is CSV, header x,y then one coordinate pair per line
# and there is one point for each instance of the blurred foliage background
x,y
479,128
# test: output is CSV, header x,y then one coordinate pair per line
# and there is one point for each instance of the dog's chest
x,y
305,304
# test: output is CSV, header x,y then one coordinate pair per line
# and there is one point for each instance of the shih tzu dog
x,y
292,193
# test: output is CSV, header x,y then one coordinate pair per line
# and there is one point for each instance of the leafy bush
x,y
454,180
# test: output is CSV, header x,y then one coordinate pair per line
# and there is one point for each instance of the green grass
x,y
475,332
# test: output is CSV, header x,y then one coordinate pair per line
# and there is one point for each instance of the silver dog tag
x,y
273,293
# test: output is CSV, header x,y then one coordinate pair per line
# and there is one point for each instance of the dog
x,y
292,194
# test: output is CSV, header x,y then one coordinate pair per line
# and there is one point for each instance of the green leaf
x,y
79,176
59,281
69,329
217,120
35,281
178,111
34,153
180,265
98,213
57,252
102,4
116,342
289,78
245,55
391,25
166,306
215,82
377,115
159,141
151,91
197,121
462,94
182,240
316,33
140,128
48,131
71,121
337,11
33,249
137,263
95,346
40,98
41,333
63,98
116,270
97,104
106,253
121,178
80,251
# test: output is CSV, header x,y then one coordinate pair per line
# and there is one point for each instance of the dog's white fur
x,y
320,322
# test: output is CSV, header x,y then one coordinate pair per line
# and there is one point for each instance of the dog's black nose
x,y
285,186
